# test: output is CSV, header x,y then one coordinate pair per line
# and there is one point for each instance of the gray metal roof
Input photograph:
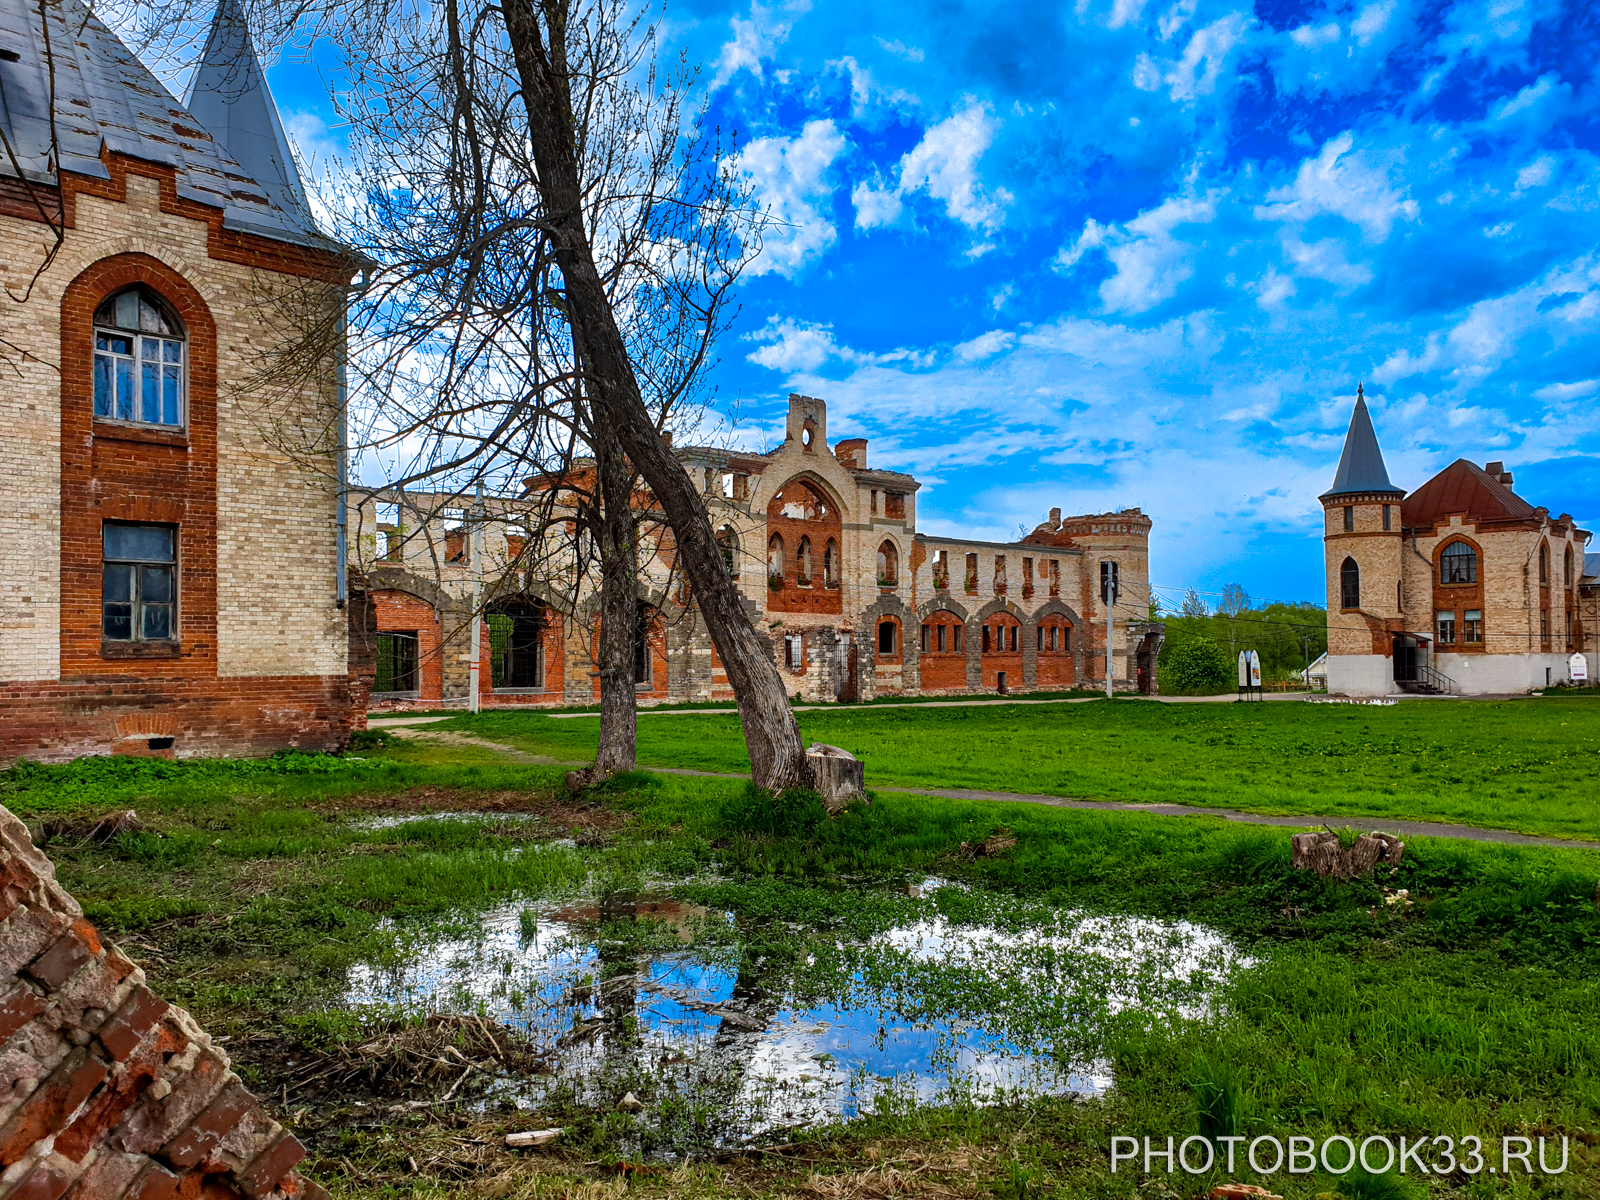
x,y
104,96
228,95
1361,466
1591,566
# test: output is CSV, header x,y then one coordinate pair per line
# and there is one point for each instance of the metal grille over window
x,y
139,588
138,360
397,664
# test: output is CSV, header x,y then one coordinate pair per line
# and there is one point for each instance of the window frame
x,y
415,689
1444,626
136,603
893,627
1348,570
134,357
1468,555
1472,627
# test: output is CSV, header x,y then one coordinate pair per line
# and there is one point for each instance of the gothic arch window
x,y
1544,562
802,562
888,565
775,562
1459,564
139,360
808,435
1566,568
1349,584
830,564
728,543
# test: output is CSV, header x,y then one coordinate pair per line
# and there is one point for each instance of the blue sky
x,y
1119,252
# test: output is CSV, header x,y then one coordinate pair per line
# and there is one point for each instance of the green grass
x,y
1475,1009
1532,766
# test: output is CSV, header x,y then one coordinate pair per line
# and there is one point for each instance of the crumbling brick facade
x,y
106,1091
857,603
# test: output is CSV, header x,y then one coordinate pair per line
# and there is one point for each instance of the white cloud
x,y
1559,392
1325,259
1343,184
901,50
1093,236
945,165
1150,261
875,205
791,181
985,345
1537,173
1195,72
755,37
1125,12
793,345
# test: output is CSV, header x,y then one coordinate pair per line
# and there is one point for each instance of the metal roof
x,y
105,97
1591,566
1361,466
1464,487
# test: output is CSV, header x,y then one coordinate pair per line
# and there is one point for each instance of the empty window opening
x,y
972,573
888,565
802,563
999,574
138,360
1055,577
728,544
644,626
830,564
1386,518
139,582
794,651
397,665
894,505
1349,518
886,639
775,562
941,569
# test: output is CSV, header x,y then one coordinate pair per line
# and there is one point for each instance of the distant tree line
x,y
1201,652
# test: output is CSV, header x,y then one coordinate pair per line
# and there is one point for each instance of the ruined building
x,y
170,583
1460,587
826,550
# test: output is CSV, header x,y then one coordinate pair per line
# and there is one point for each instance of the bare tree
x,y
1193,606
1235,600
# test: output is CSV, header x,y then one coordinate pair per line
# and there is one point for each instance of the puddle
x,y
394,820
652,996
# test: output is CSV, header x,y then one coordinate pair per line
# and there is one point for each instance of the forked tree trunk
x,y
619,612
777,757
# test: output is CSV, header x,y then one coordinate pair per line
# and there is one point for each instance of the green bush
x,y
1196,666
798,812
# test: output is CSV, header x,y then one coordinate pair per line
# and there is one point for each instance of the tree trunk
x,y
777,757
619,611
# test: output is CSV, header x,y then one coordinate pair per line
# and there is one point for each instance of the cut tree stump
x,y
838,775
1321,852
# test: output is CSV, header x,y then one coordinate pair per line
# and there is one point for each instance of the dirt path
x,y
1400,826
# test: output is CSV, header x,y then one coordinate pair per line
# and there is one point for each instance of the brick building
x,y
857,602
1460,586
171,582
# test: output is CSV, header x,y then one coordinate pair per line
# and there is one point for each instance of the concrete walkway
x,y
1366,824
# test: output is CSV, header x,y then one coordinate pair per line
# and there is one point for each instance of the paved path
x,y
1410,828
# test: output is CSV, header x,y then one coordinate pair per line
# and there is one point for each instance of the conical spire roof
x,y
106,100
228,95
1361,466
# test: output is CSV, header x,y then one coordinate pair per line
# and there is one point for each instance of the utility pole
x,y
1109,590
477,599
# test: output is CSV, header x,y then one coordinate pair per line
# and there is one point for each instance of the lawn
x,y
260,889
1532,765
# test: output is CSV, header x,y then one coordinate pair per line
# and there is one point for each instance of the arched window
x,y
1544,562
728,543
888,643
888,565
802,562
1349,584
138,360
808,435
830,564
775,562
1566,568
1458,564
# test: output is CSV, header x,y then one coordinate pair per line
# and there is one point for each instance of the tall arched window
x,y
1566,568
802,562
775,561
830,564
1544,563
1458,564
728,543
138,360
1349,584
888,565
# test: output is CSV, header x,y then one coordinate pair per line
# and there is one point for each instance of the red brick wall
x,y
946,669
401,612
1054,668
996,659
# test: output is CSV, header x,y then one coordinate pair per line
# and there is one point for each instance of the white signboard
x,y
1578,668
1244,668
1255,669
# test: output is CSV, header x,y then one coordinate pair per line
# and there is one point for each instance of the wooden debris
x,y
1241,1191
531,1137
996,844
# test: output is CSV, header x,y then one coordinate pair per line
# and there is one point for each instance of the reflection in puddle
x,y
650,996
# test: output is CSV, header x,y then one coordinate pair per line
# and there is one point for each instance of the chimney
x,y
852,452
1055,518
1505,478
1496,469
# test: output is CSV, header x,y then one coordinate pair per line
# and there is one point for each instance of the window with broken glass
x,y
139,585
138,360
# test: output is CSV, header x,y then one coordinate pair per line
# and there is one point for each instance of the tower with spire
x,y
1362,552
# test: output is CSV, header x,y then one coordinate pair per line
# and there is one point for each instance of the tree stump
x,y
1321,852
838,775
